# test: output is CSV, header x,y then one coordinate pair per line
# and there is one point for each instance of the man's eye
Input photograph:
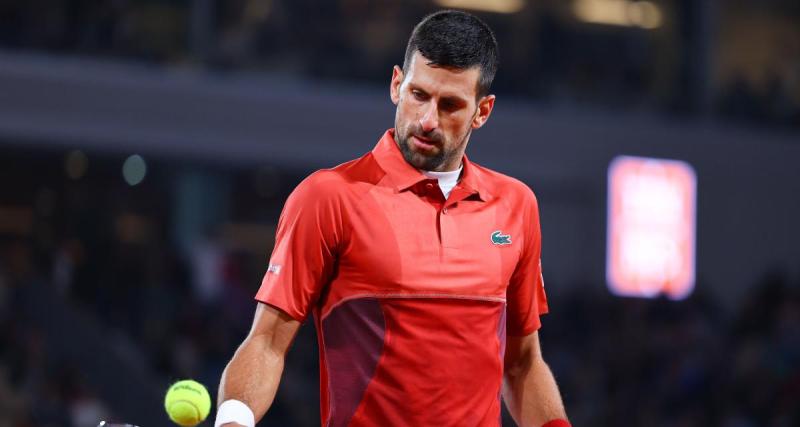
x,y
448,106
417,94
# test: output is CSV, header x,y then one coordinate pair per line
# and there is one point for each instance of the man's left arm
x,y
529,388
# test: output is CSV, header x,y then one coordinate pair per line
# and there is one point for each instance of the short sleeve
x,y
306,241
525,297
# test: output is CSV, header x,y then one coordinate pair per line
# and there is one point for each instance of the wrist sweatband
x,y
557,423
235,411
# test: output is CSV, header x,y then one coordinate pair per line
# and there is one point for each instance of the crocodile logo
x,y
498,238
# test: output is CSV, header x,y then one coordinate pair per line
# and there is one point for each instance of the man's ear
x,y
394,86
485,106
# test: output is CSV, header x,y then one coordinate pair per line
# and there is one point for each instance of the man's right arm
x,y
253,374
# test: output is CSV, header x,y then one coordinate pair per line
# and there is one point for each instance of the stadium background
x,y
146,148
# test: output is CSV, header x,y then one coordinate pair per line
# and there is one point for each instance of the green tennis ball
x,y
187,403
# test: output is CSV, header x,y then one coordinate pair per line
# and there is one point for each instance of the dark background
x,y
111,289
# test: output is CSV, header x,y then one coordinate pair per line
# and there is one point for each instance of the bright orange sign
x,y
651,227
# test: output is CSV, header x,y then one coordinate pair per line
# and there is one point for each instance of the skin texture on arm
x,y
253,374
529,389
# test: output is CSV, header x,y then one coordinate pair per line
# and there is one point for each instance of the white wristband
x,y
235,411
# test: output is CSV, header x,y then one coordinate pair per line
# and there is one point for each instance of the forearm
x,y
531,394
252,376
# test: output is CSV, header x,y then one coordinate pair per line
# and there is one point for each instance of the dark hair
x,y
454,39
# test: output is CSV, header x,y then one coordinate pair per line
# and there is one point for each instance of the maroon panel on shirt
x,y
353,336
501,332
440,365
501,338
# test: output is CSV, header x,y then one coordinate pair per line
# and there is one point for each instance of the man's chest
x,y
412,244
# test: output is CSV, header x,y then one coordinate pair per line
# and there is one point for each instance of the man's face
x,y
436,112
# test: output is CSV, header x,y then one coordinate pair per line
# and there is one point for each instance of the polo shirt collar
x,y
402,175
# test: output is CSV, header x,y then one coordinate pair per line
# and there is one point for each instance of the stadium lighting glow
x,y
494,6
626,13
651,227
134,170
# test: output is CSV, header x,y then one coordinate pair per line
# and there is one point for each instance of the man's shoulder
x,y
342,177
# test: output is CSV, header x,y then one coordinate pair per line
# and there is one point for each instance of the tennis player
x,y
421,268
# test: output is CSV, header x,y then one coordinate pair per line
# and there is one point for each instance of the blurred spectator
x,y
208,264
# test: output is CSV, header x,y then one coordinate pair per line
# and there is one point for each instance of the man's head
x,y
442,91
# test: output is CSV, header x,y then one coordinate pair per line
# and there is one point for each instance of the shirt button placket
x,y
448,228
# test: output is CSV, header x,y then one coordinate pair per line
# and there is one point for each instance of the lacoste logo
x,y
274,269
498,238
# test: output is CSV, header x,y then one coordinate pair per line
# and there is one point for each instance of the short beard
x,y
421,161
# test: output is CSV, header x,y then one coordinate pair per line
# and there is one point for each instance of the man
x,y
421,268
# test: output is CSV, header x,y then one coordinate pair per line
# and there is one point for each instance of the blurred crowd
x,y
99,288
547,55
37,388
688,363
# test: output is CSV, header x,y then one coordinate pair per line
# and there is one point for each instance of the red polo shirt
x,y
412,294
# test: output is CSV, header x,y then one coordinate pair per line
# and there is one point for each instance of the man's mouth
x,y
423,143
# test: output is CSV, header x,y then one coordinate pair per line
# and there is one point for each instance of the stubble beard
x,y
422,161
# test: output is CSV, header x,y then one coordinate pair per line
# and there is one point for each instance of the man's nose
x,y
430,118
